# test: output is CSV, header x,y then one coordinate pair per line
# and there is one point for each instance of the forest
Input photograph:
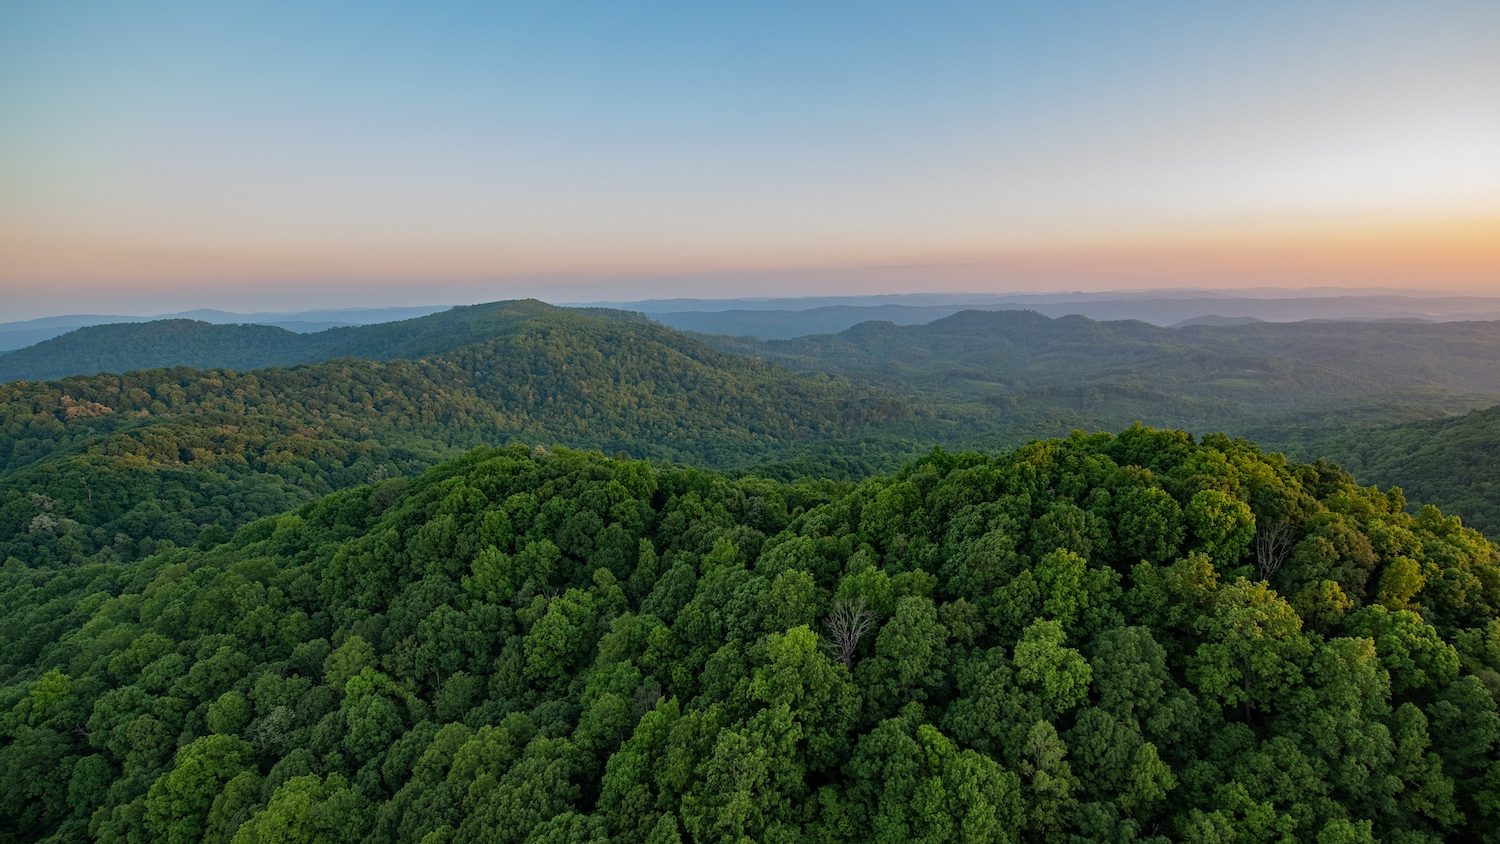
x,y
1132,637
1014,371
121,462
360,404
1453,462
521,573
973,423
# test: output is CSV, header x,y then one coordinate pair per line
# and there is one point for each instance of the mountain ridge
x,y
124,347
236,445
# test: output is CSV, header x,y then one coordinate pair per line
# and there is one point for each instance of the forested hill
x,y
1133,638
1019,364
119,347
124,461
1453,463
125,347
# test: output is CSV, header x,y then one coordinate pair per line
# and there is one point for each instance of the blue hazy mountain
x,y
784,319
19,335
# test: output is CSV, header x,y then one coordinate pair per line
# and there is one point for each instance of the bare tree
x,y
646,697
847,623
1273,541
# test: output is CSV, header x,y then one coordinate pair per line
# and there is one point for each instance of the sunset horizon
x,y
630,154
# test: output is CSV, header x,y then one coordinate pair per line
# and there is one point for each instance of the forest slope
x,y
1453,463
161,344
120,347
1020,372
1077,638
126,460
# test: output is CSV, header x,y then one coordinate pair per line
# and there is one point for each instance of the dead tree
x,y
1273,541
847,623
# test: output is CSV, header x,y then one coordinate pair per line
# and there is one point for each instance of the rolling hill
x,y
184,449
23,333
158,344
1020,368
126,346
1452,462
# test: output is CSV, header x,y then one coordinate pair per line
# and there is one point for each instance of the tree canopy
x,y
1074,640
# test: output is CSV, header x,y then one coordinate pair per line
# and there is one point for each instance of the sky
x,y
265,155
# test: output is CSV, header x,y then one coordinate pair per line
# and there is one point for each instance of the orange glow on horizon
x,y
1460,254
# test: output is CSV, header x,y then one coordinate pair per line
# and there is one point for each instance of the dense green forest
x,y
1453,463
1139,637
122,462
1018,371
244,605
162,344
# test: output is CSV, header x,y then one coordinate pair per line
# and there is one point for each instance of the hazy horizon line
x,y
337,302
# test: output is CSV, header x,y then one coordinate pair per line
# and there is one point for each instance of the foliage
x,y
125,463
1019,370
1453,463
1069,641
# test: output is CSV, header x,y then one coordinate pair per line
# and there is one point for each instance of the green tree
x,y
1221,525
1059,674
909,782
308,809
178,804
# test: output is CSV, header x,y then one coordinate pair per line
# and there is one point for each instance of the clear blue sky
x,y
277,154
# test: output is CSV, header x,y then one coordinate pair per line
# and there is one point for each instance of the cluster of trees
x,y
390,398
1138,637
122,462
159,344
1453,463
1019,375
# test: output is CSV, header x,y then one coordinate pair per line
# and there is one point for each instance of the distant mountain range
x,y
783,319
157,454
1004,366
123,347
415,389
1015,365
18,335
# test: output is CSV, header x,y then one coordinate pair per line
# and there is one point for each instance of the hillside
x,y
1078,640
159,344
121,347
1023,372
780,319
18,335
1453,463
124,461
